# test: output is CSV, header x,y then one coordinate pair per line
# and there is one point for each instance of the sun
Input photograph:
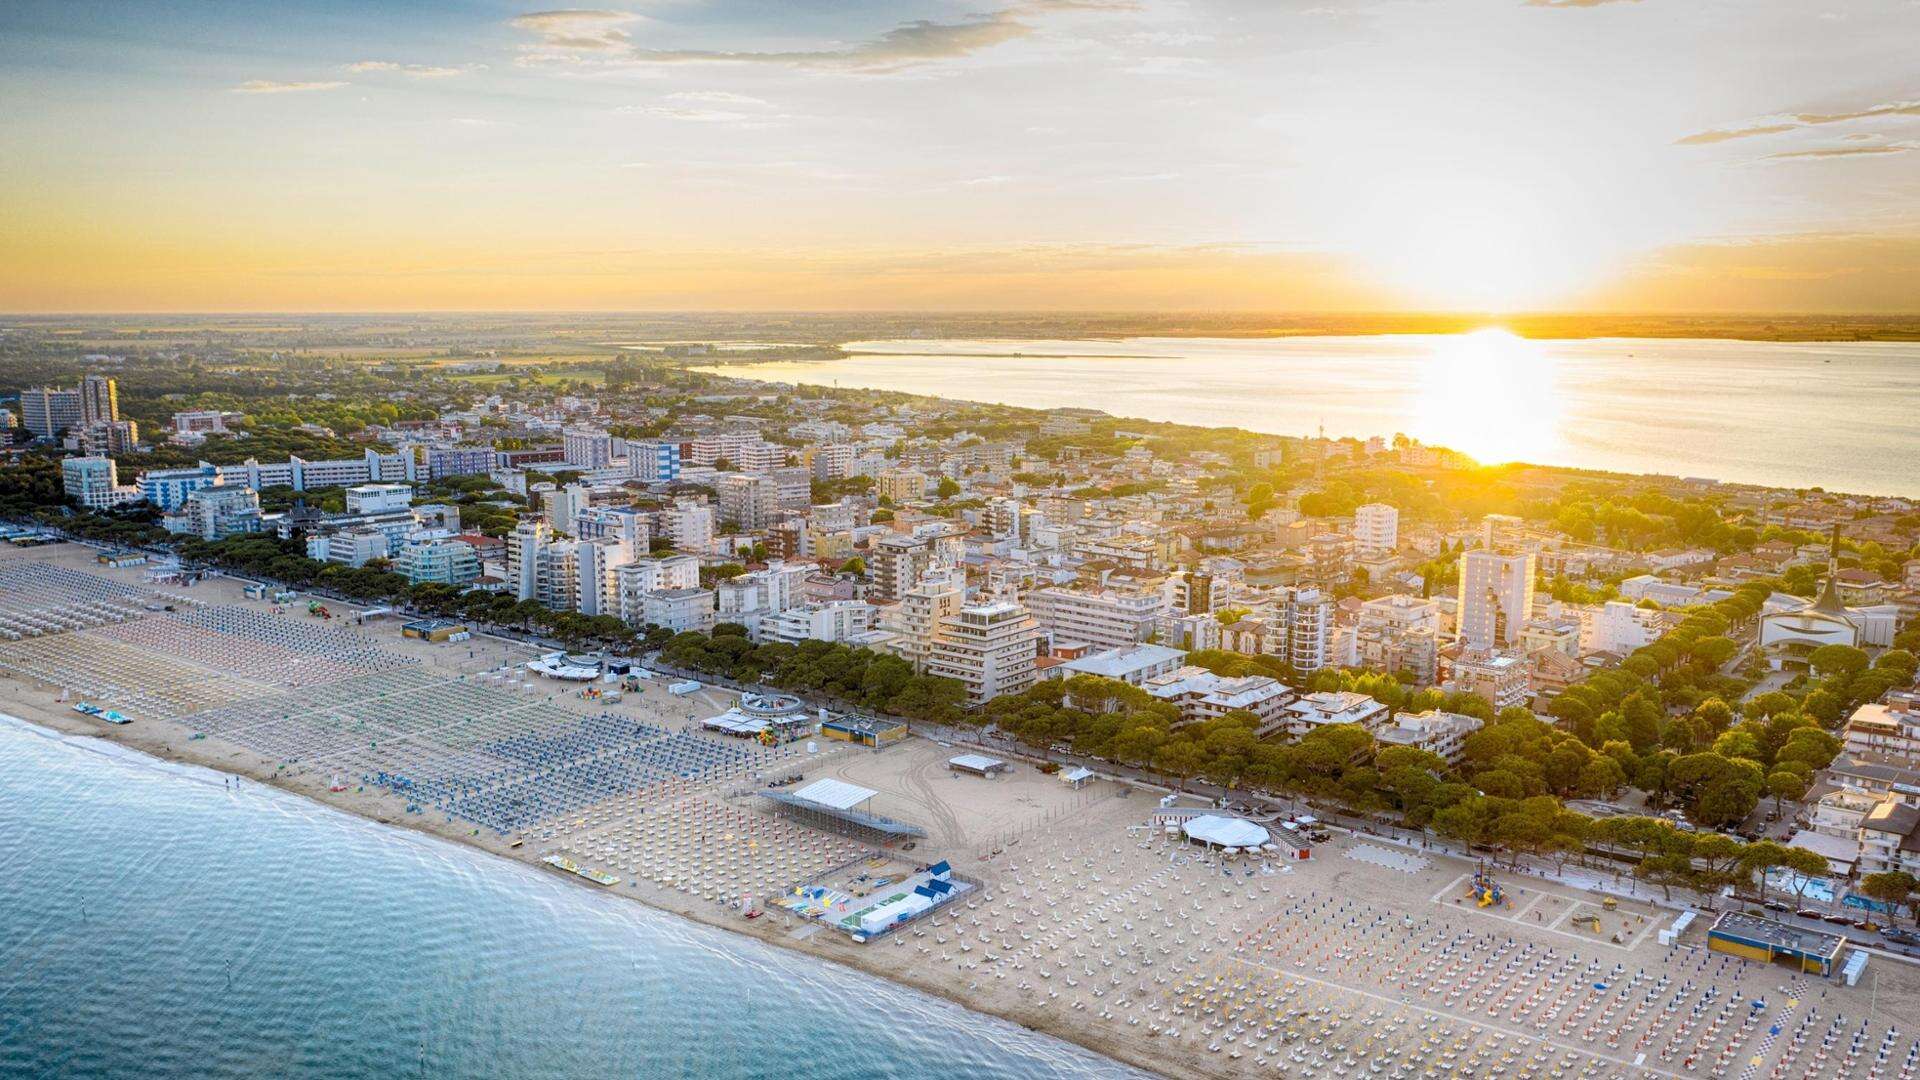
x,y
1492,395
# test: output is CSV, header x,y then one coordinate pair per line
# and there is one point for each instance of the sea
x,y
156,922
1837,415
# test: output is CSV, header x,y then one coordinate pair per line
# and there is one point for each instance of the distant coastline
x,y
1784,415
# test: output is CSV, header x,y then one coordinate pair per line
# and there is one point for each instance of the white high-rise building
x,y
1496,597
47,411
641,578
748,500
622,523
757,596
678,610
596,565
834,620
1376,527
989,648
1309,618
587,448
524,545
562,506
1108,619
897,563
688,525
914,619
99,400
90,481
1620,627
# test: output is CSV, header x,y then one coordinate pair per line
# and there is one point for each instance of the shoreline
x,y
1218,398
771,929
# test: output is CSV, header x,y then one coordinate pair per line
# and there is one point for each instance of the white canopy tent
x,y
1216,830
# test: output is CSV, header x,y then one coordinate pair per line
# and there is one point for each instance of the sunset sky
x,y
1586,155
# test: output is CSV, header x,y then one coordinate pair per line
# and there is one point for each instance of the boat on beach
x,y
598,877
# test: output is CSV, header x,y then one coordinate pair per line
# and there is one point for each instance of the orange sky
x,y
1066,154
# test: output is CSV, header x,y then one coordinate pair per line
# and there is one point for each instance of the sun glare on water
x,y
1492,395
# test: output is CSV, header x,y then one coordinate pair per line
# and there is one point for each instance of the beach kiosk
x,y
864,731
1751,937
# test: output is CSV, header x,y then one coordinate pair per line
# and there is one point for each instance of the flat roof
x,y
977,762
1778,935
866,724
835,793
1114,662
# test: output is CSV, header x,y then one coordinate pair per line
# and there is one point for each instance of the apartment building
x,y
900,485
915,619
1437,732
758,596
596,566
1102,619
678,610
1376,528
93,482
897,562
638,579
444,562
46,411
653,462
1888,729
1202,695
1335,707
586,448
989,648
1496,597
747,501
832,620
524,546
216,512
1502,679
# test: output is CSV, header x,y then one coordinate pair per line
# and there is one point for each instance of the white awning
x,y
835,793
1225,831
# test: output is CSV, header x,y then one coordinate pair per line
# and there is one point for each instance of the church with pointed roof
x,y
1788,636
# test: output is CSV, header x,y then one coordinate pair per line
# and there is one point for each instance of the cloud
x,y
710,107
1773,125
715,97
269,86
569,31
577,36
1891,108
693,115
1844,151
1575,3
1702,138
412,71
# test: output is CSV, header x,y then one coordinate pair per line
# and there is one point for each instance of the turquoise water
x,y
155,923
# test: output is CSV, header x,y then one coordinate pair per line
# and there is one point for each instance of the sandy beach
x,y
1086,923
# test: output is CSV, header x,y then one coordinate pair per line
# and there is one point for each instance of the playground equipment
x,y
315,607
1485,891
